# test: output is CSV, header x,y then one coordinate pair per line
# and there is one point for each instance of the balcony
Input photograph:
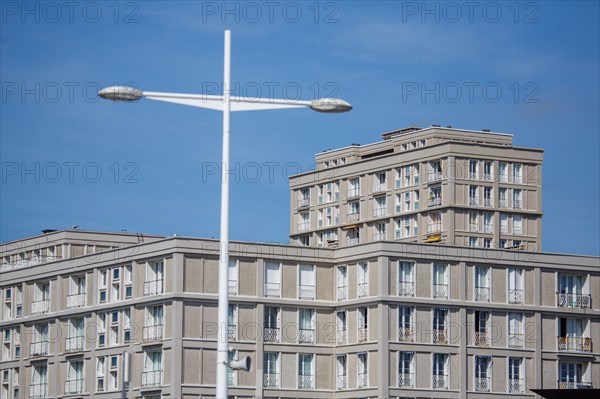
x,y
363,380
435,201
406,380
474,201
517,204
406,288
434,176
378,236
574,385
363,334
303,202
515,296
353,217
342,293
487,202
271,334
232,287
75,300
303,226
406,334
352,241
42,306
440,381
566,300
482,294
516,340
152,333
341,336
271,380
306,292
353,192
154,287
363,290
482,339
305,381
38,391
74,387
151,378
440,291
440,336
39,348
483,384
231,332
272,290
379,212
488,177
342,381
516,385
306,335
434,228
74,344
578,344
488,228
379,188
502,203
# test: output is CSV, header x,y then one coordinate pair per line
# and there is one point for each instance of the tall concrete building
x,y
101,315
433,185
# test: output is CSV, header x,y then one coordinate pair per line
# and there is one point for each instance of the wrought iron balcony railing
x,y
406,380
38,391
483,384
353,217
566,300
379,188
74,344
74,387
516,385
271,334
440,336
435,201
363,334
153,333
482,339
232,287
306,335
353,192
39,348
305,381
440,291
406,288
341,336
271,380
574,385
151,378
363,290
342,381
232,332
75,300
363,380
516,340
406,334
440,381
434,176
154,287
303,202
42,306
579,344
307,291
482,294
515,296
272,290
342,292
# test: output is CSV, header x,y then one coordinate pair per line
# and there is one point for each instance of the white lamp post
x,y
226,104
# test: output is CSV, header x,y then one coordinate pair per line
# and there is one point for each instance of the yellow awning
x,y
434,238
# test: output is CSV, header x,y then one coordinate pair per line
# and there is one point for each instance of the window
x,y
353,211
76,296
487,197
571,376
515,285
440,317
406,369
272,279
473,242
75,338
487,242
363,373
487,171
570,291
74,383
435,196
379,182
379,208
305,371
379,231
271,370
473,221
154,323
434,172
232,319
570,335
474,195
440,281
515,330
341,327
41,298
354,187
233,276
440,371
406,226
329,192
502,201
483,373
517,224
154,278
306,326
482,284
482,328
516,382
39,382
363,280
406,282
152,374
100,374
341,366
306,289
406,332
502,172
473,169
271,315
342,283
517,173
304,197
363,324
517,199
488,226
39,344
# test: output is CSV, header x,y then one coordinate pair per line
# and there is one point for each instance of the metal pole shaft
x,y
223,305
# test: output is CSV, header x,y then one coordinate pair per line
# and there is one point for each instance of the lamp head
x,y
121,93
331,105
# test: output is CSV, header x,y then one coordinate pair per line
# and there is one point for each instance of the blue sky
x,y
526,68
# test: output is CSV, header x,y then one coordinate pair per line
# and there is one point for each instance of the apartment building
x,y
431,185
378,319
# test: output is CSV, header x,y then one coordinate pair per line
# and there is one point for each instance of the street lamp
x,y
225,104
